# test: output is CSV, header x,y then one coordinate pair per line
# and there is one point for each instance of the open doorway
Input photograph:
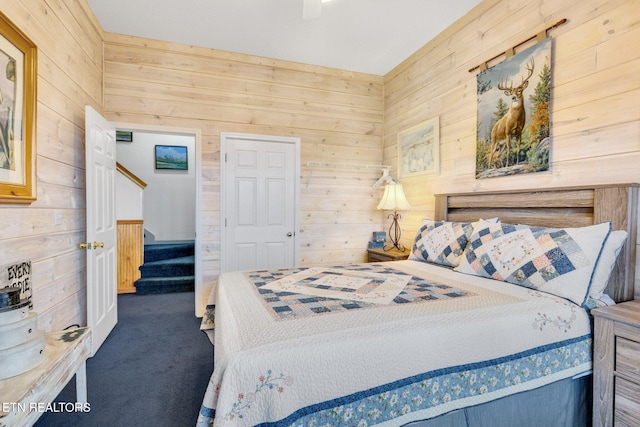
x,y
167,159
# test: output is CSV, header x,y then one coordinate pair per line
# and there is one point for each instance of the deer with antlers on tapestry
x,y
513,135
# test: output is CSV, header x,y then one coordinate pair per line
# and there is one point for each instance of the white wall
x,y
129,199
169,198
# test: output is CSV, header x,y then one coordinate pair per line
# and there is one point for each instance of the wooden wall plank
x,y
48,231
130,254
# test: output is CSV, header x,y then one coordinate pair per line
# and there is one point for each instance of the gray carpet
x,y
152,370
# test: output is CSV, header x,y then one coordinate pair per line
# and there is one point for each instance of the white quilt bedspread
x,y
361,346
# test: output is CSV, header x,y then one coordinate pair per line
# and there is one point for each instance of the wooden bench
x,y
24,398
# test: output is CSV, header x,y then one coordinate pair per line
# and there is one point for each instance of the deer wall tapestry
x,y
513,114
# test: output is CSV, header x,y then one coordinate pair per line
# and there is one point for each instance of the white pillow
x,y
607,261
556,261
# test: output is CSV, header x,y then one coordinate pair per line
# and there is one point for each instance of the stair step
x,y
183,266
168,267
163,285
161,252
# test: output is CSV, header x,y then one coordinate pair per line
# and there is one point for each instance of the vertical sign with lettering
x,y
18,275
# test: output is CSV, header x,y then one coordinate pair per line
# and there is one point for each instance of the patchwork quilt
x,y
380,344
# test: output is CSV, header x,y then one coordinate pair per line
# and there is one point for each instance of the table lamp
x,y
393,199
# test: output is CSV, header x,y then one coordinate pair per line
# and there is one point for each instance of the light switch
x,y
57,217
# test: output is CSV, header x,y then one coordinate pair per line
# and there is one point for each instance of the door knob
x,y
83,245
98,244
289,234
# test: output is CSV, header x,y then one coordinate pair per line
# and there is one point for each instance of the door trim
x,y
223,170
197,133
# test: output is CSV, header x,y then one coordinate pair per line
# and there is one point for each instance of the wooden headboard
x,y
560,207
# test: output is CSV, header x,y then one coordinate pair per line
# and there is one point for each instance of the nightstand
x,y
380,255
616,365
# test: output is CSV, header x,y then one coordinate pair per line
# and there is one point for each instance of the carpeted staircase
x,y
167,268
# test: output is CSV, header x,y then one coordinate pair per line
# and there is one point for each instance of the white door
x,y
100,151
260,176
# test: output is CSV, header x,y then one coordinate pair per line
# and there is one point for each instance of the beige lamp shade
x,y
393,198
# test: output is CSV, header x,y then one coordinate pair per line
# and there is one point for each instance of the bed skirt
x,y
563,403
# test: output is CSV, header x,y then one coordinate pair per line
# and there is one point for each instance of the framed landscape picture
x,y
124,136
419,149
171,157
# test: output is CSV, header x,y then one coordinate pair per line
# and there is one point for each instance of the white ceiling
x,y
370,36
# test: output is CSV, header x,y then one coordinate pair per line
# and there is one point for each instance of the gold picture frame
x,y
419,149
18,100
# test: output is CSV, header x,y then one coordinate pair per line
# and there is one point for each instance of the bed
x,y
442,339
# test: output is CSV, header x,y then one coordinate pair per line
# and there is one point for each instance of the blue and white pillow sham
x,y
556,261
441,242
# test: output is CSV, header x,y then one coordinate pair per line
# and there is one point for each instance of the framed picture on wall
x,y
18,77
124,136
171,157
419,149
